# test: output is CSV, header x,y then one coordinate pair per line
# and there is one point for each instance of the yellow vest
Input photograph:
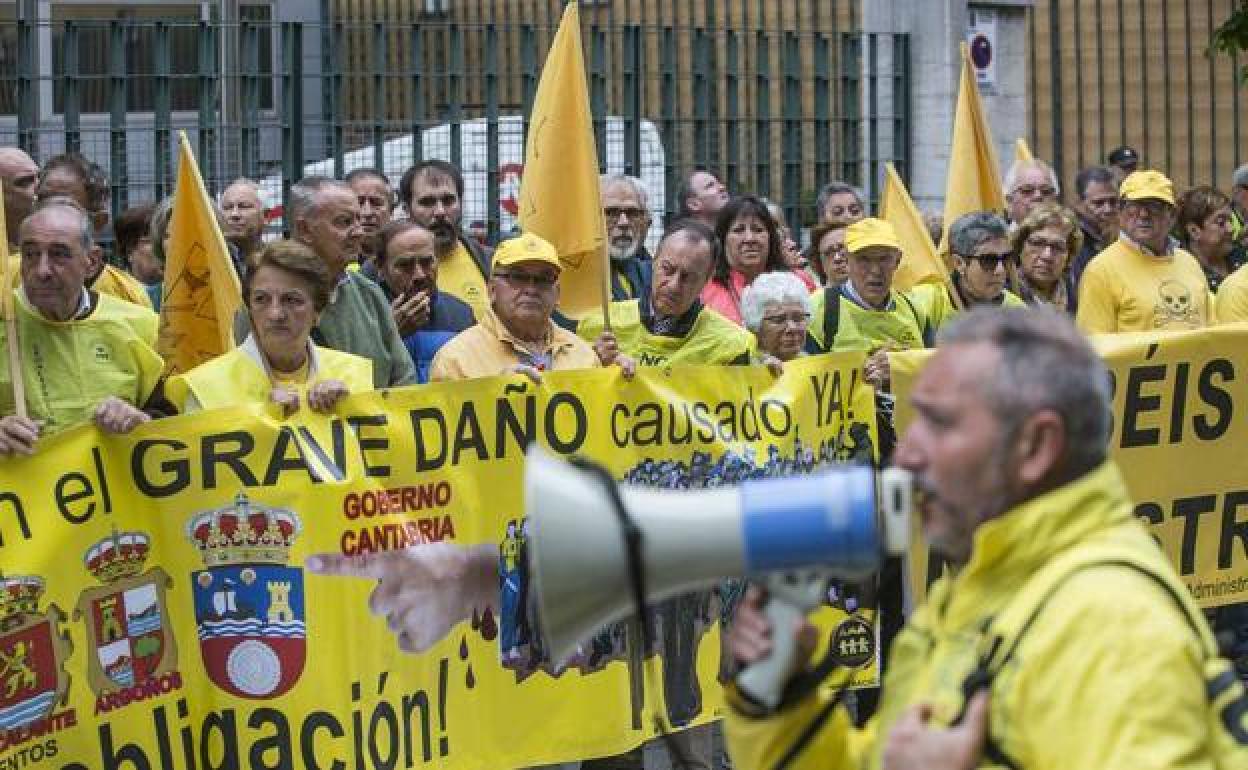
x,y
238,378
902,328
69,367
712,340
934,300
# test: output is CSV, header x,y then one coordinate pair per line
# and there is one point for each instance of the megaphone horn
x,y
693,539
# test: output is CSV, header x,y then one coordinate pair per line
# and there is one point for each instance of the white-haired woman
x,y
776,308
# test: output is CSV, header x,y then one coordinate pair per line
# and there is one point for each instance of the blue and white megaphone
x,y
840,523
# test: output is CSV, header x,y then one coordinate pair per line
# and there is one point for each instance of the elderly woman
x,y
776,308
284,294
752,246
1044,244
131,230
980,245
829,256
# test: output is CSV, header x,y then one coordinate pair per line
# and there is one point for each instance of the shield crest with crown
x,y
127,622
249,604
33,650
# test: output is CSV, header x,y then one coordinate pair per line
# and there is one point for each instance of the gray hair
x,y
771,289
1240,176
1046,363
305,194
68,203
638,187
970,230
1019,166
160,226
836,188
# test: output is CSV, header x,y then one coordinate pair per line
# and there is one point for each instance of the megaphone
x,y
579,562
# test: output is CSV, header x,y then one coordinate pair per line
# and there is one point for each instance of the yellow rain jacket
x,y
239,377
713,339
934,300
1111,676
69,367
902,327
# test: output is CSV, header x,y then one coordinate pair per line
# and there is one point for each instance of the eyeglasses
x,y
989,262
779,319
1152,206
1042,190
838,250
1040,244
534,280
613,213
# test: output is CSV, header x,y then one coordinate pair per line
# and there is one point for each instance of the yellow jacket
x,y
69,367
933,299
240,377
713,339
903,327
486,349
1110,677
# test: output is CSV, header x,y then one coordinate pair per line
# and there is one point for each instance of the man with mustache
x,y
1144,280
625,207
407,268
433,192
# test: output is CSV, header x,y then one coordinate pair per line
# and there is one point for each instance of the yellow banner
x,y
156,611
1179,437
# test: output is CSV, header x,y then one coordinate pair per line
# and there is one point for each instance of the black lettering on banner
x,y
468,434
220,724
162,737
1216,397
1136,403
14,504
228,449
278,743
318,721
749,419
702,416
726,411
580,423
425,461
507,423
765,412
176,472
380,443
683,436
1190,509
1179,407
1151,513
70,488
647,425
280,460
128,755
102,479
1232,528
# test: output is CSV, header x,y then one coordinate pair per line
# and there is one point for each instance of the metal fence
x,y
1135,72
776,105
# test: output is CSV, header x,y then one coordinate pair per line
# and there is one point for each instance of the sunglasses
x,y
989,262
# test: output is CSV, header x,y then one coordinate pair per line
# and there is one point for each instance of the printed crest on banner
x,y
33,650
126,618
248,602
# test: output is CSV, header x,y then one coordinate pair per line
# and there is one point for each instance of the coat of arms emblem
x,y
33,649
126,618
248,603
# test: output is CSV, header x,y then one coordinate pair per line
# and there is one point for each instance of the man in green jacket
x,y
1009,451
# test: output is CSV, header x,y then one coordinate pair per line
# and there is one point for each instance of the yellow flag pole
x,y
10,319
606,287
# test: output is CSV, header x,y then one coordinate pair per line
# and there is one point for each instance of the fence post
x,y
71,104
379,101
208,115
292,113
117,116
492,219
161,112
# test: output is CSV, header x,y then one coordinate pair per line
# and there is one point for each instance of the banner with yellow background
x,y
156,611
1179,400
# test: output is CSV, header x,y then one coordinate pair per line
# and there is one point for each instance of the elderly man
x,y
1016,490
516,334
1028,183
840,203
626,209
86,356
1097,207
407,267
325,215
865,313
670,325
1144,280
19,174
74,177
980,246
702,196
433,192
372,190
244,218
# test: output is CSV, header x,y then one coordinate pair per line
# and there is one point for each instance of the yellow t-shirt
x,y
460,276
1124,289
292,379
1232,299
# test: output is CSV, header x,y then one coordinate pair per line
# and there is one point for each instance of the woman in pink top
x,y
752,246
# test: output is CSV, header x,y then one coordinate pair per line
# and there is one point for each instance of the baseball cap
x,y
871,232
1141,185
526,247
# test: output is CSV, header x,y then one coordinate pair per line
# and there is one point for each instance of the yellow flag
x,y
201,292
919,261
1021,150
974,181
559,197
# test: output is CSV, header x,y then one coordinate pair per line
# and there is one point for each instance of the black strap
x,y
831,321
925,326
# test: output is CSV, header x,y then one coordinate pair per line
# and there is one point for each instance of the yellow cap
x,y
870,232
1140,185
525,248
